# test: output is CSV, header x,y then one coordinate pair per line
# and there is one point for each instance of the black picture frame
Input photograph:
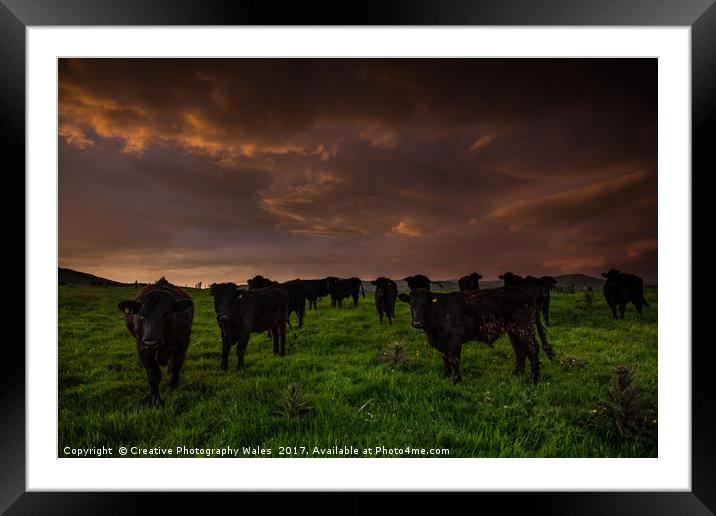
x,y
17,15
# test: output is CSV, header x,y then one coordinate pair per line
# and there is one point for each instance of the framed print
x,y
417,250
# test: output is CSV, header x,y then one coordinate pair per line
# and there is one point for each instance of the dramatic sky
x,y
219,169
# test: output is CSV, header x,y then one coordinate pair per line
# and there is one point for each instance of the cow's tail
x,y
644,301
361,289
436,283
542,332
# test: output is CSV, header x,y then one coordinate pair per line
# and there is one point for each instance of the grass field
x,y
356,398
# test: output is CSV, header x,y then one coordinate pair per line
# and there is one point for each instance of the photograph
x,y
277,257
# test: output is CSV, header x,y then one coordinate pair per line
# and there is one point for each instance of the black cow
x,y
471,282
259,281
538,289
315,288
242,312
420,281
160,320
449,320
341,289
296,294
622,288
386,292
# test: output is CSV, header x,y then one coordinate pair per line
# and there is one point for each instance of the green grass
x,y
357,396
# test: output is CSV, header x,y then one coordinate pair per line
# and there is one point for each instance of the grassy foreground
x,y
355,397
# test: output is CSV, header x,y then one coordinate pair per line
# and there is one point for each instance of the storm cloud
x,y
219,169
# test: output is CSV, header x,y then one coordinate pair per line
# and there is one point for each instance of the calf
x,y
386,292
242,312
340,289
420,281
471,282
315,289
449,320
160,320
537,288
622,288
296,294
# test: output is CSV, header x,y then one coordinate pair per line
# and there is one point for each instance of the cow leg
x,y
282,334
241,346
533,354
622,307
613,308
545,312
175,364
637,305
276,336
380,314
225,348
300,314
355,299
447,368
154,376
454,350
520,354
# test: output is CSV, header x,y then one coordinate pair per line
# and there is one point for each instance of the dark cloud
x,y
218,169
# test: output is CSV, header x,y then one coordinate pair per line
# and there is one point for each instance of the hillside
x,y
72,277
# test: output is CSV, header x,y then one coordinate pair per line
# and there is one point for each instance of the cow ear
x,y
183,305
501,276
404,297
129,307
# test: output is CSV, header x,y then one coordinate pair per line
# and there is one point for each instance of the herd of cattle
x,y
161,315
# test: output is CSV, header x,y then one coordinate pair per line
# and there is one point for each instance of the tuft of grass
x,y
627,408
395,354
589,297
293,403
570,362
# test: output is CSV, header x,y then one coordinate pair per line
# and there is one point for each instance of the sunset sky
x,y
220,169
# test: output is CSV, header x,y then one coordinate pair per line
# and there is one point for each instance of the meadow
x,y
361,384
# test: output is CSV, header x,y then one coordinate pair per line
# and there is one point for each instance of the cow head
x,y
612,274
548,282
226,300
259,281
419,300
331,281
509,278
151,319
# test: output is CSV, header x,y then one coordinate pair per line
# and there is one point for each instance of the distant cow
x,y
471,282
341,289
315,288
160,320
420,281
538,289
242,312
259,281
296,294
622,288
449,320
386,293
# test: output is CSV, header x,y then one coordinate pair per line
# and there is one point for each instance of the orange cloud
x,y
585,201
576,264
405,228
641,247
